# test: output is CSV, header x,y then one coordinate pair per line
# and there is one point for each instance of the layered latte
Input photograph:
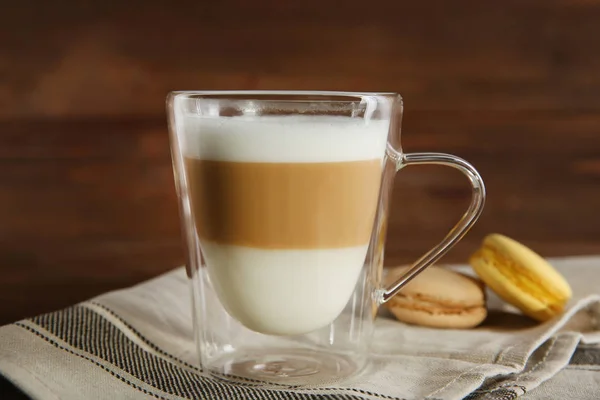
x,y
283,208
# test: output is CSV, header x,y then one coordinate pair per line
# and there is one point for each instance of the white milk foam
x,y
283,292
293,139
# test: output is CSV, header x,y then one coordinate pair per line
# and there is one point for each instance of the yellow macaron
x,y
439,298
521,277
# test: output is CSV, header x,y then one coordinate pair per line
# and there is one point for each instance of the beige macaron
x,y
439,298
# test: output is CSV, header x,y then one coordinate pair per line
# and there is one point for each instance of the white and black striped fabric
x,y
87,332
137,343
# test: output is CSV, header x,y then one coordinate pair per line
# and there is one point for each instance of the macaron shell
x,y
430,317
521,277
439,298
443,286
527,259
511,293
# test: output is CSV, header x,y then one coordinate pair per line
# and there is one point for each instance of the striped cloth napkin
x,y
137,343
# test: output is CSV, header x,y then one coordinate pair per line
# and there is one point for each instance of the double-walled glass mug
x,y
284,199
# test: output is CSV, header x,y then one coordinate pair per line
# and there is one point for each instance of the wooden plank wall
x,y
87,201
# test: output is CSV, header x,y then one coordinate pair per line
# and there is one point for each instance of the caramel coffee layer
x,y
284,205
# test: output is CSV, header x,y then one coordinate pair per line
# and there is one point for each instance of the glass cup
x,y
284,199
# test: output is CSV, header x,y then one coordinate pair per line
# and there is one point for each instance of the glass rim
x,y
283,95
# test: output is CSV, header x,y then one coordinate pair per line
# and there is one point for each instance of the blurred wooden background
x,y
87,201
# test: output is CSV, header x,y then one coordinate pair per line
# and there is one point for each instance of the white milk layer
x,y
292,139
283,292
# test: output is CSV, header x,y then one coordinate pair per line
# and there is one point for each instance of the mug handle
x,y
458,231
